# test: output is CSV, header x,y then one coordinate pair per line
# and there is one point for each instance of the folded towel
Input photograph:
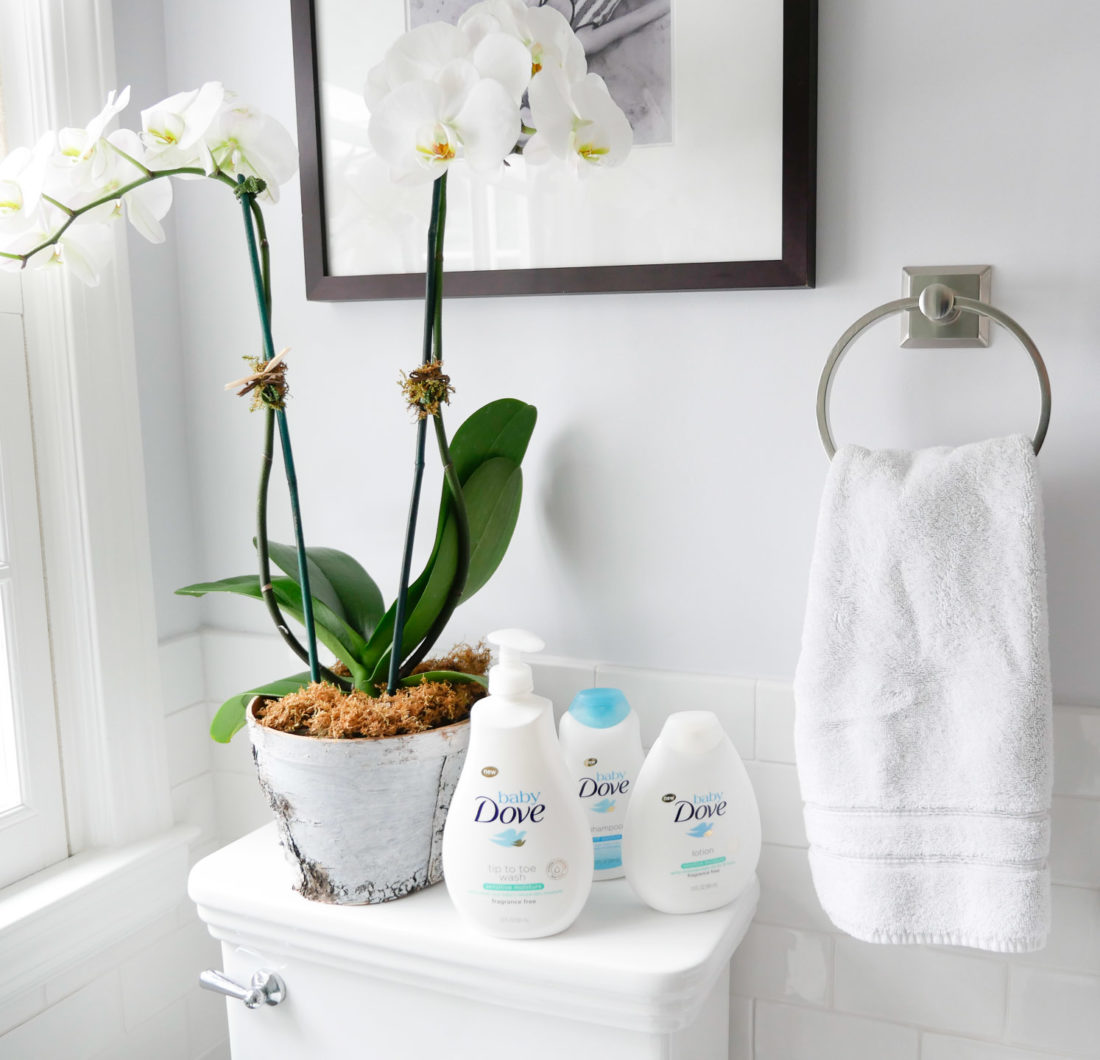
x,y
923,713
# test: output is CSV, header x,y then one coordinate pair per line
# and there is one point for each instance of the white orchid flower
x,y
15,242
420,126
22,179
80,145
545,34
174,130
423,53
118,161
419,55
579,123
504,59
84,249
83,167
147,204
244,140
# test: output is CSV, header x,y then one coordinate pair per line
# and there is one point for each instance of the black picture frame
x,y
795,269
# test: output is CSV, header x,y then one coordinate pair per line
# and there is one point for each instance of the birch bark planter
x,y
362,819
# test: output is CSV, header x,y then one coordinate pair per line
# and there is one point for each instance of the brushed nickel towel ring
x,y
941,305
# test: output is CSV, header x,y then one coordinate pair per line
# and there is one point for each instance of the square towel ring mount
x,y
940,305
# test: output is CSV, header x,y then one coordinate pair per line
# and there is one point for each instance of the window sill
x,y
66,913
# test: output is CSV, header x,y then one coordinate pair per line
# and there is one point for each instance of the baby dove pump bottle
x,y
602,744
517,856
692,835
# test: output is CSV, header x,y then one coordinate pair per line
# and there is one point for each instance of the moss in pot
x,y
322,710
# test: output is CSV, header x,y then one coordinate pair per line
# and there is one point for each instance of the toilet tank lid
x,y
621,964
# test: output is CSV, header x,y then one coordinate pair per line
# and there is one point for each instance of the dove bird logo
x,y
701,830
509,838
604,806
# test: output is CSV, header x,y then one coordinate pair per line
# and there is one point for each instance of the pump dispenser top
x,y
511,675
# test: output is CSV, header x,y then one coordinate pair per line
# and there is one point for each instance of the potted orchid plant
x,y
384,722
507,81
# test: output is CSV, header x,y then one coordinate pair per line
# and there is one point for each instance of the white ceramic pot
x,y
362,820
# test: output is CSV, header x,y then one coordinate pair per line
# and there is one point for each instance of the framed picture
x,y
719,190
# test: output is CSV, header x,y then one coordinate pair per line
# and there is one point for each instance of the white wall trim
x,y
89,456
59,917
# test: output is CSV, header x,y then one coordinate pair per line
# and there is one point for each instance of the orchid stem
x,y
433,297
114,196
264,556
262,289
462,567
60,205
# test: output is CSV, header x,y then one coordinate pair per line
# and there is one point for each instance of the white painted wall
x,y
672,485
165,418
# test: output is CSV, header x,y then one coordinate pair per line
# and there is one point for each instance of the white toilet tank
x,y
408,980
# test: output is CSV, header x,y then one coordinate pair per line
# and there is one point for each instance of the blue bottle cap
x,y
599,708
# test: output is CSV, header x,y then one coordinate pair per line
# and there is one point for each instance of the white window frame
x,y
130,864
32,834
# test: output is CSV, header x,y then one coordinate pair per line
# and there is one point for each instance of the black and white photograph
x,y
627,42
717,115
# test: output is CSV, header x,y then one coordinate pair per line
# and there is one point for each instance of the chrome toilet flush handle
x,y
267,988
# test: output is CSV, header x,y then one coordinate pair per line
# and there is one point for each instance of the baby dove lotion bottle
x,y
692,835
602,745
517,856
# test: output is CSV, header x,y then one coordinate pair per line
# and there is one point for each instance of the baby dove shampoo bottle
x,y
517,856
602,745
692,835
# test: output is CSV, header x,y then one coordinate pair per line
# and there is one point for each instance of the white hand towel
x,y
923,720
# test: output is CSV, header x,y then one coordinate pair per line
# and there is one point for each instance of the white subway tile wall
x,y
1074,850
1077,751
784,964
945,988
800,989
774,709
940,1047
741,1015
784,1031
804,991
1054,1010
140,998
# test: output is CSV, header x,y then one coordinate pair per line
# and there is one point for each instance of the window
x,y
86,539
32,823
72,351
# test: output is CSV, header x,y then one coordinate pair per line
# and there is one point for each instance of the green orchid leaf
x,y
493,493
241,583
492,496
230,717
338,580
444,675
332,631
501,428
285,557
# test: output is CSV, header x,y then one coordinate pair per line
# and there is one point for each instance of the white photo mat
x,y
715,194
